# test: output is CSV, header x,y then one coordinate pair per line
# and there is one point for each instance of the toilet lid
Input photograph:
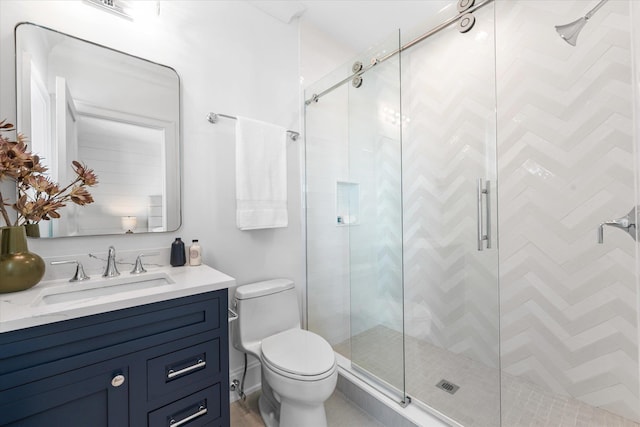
x,y
298,352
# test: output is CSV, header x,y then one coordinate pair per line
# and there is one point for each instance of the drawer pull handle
x,y
201,411
172,374
118,380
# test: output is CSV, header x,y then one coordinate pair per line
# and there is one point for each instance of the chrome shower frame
x,y
375,61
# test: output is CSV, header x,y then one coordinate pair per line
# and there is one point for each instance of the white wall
x,y
326,130
231,59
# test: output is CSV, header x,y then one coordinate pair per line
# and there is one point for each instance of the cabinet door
x,y
101,400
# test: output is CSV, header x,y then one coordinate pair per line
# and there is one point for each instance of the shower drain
x,y
447,386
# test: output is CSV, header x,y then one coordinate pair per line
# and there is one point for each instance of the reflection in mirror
x,y
117,113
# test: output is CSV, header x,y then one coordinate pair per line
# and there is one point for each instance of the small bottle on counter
x,y
178,257
195,253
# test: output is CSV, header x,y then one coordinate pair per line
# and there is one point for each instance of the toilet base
x,y
269,414
268,405
295,403
292,414
278,412
295,414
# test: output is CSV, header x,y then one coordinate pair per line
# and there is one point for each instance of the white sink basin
x,y
103,287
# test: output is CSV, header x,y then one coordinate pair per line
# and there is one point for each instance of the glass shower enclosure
x,y
401,222
354,218
413,171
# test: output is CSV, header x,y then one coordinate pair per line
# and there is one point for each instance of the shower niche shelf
x,y
347,203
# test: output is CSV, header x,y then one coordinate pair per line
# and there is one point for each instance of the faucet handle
x,y
139,268
111,270
79,275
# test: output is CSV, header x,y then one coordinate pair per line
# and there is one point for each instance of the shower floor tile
x,y
477,402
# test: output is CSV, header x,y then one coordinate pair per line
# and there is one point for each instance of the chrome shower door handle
x,y
486,192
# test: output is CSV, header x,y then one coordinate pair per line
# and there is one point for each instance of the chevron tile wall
x,y
566,163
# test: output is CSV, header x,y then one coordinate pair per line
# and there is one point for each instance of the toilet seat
x,y
298,354
289,375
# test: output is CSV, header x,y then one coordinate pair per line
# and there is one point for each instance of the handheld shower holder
x,y
626,223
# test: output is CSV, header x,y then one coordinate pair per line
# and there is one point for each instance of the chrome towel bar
x,y
213,118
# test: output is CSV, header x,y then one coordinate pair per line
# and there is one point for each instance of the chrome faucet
x,y
138,268
111,270
79,275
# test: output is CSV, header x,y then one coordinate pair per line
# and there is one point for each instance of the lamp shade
x,y
129,223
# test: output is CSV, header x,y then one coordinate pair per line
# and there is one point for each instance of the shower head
x,y
569,32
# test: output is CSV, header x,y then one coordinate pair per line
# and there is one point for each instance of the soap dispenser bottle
x,y
178,257
195,253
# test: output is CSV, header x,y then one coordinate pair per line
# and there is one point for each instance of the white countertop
x,y
35,306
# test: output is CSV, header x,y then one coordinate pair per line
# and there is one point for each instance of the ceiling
x,y
357,23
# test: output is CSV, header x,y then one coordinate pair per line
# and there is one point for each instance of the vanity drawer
x,y
184,370
199,409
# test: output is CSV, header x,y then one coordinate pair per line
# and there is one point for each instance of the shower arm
x,y
595,9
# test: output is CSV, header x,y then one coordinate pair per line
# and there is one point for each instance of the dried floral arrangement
x,y
38,197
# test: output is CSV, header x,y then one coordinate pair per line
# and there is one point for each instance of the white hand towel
x,y
261,175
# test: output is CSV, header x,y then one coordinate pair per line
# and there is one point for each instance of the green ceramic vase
x,y
33,230
19,268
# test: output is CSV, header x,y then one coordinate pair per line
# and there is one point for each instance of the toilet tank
x,y
264,309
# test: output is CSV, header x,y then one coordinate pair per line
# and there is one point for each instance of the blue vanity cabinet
x,y
89,401
158,365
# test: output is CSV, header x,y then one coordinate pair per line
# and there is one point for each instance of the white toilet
x,y
299,370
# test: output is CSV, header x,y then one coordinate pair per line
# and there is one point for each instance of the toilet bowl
x,y
299,370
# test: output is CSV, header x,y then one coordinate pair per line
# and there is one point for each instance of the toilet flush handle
x,y
232,315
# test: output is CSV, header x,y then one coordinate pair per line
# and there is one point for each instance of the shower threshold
x,y
384,387
365,391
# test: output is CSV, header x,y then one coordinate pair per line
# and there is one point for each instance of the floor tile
x,y
340,413
477,402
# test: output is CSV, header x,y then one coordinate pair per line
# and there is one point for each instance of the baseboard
x,y
252,381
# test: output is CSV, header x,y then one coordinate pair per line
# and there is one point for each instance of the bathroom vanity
x,y
156,356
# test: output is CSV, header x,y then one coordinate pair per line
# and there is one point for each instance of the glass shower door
x,y
373,198
449,191
353,168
